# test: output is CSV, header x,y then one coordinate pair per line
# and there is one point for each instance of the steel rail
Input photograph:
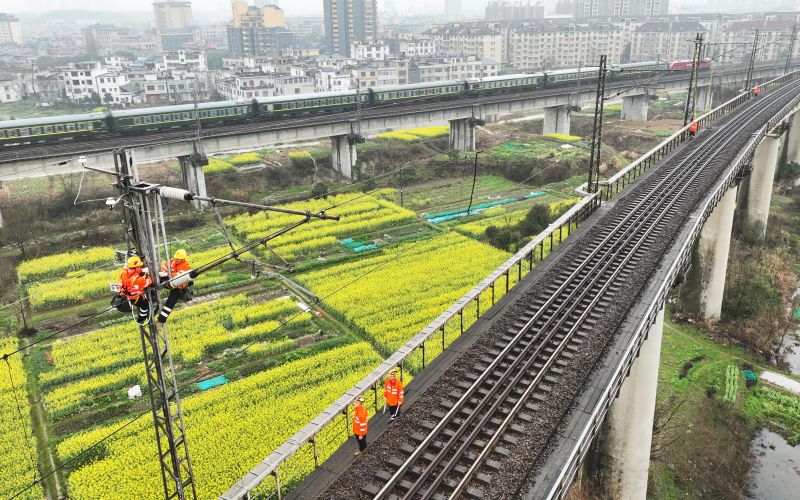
x,y
646,220
638,217
740,166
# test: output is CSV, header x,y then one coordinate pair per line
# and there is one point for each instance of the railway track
x,y
110,142
464,442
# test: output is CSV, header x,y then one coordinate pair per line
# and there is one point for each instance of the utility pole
x,y
691,97
791,50
597,132
749,83
145,233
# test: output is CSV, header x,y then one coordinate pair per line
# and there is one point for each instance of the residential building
x,y
348,21
301,52
10,29
664,40
521,10
79,80
114,88
738,37
246,85
595,8
332,81
176,39
190,60
172,14
369,51
452,10
452,68
214,36
173,87
468,39
550,45
413,48
102,37
378,73
258,32
289,85
10,89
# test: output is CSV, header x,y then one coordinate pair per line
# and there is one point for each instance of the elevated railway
x,y
491,419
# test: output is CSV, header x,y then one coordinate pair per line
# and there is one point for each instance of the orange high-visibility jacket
x,y
693,127
133,284
393,392
757,90
176,268
360,421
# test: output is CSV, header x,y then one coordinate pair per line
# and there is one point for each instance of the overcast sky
x,y
222,10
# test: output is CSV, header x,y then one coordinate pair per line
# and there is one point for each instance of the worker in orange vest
x,y
393,394
692,129
132,289
757,91
173,268
360,424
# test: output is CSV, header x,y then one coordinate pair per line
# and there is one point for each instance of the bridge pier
x,y
194,179
557,120
635,108
760,180
343,154
704,99
705,284
793,140
630,421
462,134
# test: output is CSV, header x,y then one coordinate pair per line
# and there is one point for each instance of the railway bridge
x,y
568,357
344,129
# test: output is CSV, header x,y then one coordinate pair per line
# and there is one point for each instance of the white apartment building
x,y
664,41
332,81
391,72
79,79
540,46
369,51
192,60
452,68
417,48
289,85
10,89
468,39
774,36
246,86
10,29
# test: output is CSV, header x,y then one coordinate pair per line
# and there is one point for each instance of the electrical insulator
x,y
175,193
179,281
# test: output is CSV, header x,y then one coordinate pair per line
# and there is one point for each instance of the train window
x,y
59,128
24,132
13,133
70,126
3,133
48,130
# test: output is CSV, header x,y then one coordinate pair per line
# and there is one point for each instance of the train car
x,y
183,115
54,128
311,103
570,76
394,93
686,65
505,83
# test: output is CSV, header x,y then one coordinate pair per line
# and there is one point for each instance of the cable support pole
x,y
141,203
597,131
792,41
750,68
691,96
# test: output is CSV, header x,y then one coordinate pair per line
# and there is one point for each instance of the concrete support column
x,y
462,134
705,284
343,154
630,421
793,140
634,108
759,192
703,100
194,179
557,120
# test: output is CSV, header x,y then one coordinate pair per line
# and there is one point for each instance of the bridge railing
x,y
616,183
740,166
309,447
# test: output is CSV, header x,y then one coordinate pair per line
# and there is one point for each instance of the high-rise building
x,y
452,10
592,8
348,21
10,30
266,3
172,14
258,31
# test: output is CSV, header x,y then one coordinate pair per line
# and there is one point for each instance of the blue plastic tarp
x,y
212,382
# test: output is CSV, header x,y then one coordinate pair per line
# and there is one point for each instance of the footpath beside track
x,y
491,419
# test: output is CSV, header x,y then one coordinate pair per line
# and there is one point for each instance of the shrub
x,y
243,159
